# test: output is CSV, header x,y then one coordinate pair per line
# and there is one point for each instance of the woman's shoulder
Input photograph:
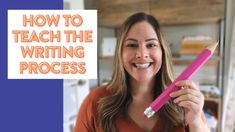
x,y
87,118
99,92
95,95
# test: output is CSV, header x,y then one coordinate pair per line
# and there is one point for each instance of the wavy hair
x,y
117,103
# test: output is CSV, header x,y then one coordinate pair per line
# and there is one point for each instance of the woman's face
x,y
141,52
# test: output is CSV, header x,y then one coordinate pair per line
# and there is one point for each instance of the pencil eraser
x,y
145,117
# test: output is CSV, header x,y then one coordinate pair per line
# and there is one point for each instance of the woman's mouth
x,y
144,65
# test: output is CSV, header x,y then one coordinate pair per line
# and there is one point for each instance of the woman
x,y
142,70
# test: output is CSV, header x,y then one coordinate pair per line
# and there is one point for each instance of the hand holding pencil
x,y
190,99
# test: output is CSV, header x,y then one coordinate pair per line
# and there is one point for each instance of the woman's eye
x,y
151,45
132,45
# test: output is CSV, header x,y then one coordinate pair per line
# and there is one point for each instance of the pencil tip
x,y
212,47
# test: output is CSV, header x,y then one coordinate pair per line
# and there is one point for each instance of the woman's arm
x,y
199,125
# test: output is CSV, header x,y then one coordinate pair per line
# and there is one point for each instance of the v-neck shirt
x,y
87,120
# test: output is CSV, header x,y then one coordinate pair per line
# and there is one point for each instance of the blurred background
x,y
188,25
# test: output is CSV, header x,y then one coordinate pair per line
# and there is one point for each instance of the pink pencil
x,y
186,74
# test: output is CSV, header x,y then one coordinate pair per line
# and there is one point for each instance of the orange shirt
x,y
87,119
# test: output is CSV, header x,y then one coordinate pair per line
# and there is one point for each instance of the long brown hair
x,y
117,103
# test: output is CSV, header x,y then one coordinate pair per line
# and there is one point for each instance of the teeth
x,y
142,65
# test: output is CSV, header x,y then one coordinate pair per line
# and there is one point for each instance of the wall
x,y
105,66
228,122
73,4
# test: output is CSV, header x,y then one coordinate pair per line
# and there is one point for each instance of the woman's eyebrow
x,y
131,39
151,39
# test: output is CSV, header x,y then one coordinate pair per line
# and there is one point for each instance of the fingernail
x,y
171,94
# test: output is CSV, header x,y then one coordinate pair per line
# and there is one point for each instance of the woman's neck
x,y
142,90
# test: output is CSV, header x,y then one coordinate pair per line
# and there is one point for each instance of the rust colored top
x,y
87,117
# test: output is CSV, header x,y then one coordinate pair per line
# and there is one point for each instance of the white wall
x,y
105,66
74,4
229,58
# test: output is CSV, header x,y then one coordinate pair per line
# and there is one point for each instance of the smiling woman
x,y
142,70
141,52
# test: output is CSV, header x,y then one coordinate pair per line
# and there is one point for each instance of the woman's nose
x,y
142,53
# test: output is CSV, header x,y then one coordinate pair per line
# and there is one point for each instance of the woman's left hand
x,y
191,99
